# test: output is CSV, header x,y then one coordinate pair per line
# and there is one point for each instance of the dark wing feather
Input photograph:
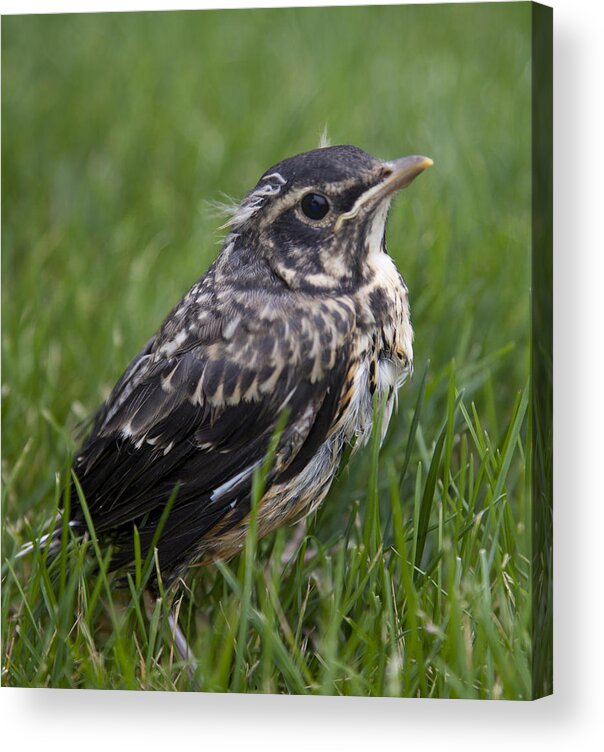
x,y
200,418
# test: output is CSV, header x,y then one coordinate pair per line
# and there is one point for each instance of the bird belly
x,y
302,495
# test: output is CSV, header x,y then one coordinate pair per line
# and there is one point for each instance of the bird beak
x,y
399,173
403,172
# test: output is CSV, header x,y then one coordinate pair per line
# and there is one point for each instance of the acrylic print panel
x,y
284,493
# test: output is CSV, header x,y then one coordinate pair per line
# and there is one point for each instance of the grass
x,y
414,577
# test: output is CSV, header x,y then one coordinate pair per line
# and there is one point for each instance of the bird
x,y
301,325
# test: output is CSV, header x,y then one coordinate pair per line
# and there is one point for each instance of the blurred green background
x,y
118,130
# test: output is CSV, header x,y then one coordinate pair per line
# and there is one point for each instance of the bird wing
x,y
197,408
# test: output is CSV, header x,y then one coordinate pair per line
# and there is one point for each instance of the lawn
x,y
119,131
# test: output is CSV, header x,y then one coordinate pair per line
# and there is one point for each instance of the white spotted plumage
x,y
301,314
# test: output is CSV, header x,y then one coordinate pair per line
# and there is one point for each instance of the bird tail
x,y
50,540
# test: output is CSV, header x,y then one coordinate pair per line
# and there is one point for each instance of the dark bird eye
x,y
315,205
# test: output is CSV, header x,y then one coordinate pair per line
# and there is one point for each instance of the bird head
x,y
317,217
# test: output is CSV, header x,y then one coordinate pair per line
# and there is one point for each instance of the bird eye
x,y
315,205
